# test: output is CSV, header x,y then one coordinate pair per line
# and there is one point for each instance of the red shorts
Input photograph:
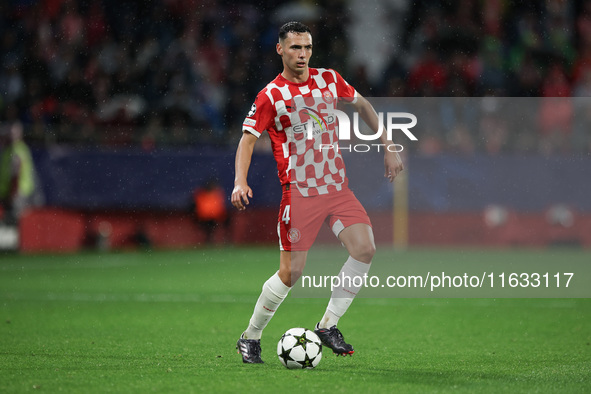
x,y
300,217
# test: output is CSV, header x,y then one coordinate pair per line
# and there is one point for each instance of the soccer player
x,y
314,186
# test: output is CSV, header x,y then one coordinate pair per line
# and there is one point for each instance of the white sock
x,y
342,296
274,292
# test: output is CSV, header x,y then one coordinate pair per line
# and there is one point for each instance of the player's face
x,y
296,50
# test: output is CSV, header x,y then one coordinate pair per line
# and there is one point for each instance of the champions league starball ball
x,y
299,348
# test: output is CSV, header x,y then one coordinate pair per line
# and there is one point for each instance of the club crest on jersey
x,y
294,235
327,97
253,110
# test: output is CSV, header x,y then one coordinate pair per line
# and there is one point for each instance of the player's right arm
x,y
259,119
242,191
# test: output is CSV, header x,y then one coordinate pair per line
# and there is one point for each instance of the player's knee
x,y
290,275
364,252
296,274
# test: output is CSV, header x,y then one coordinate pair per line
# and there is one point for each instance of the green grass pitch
x,y
167,321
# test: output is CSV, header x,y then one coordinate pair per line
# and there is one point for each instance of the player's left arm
x,y
392,161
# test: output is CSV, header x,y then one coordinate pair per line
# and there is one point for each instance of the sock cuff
x,y
276,285
356,265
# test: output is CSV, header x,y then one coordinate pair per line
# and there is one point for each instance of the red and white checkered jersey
x,y
284,109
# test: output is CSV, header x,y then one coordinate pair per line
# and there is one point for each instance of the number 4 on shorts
x,y
285,216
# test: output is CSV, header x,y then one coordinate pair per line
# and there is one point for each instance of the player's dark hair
x,y
293,27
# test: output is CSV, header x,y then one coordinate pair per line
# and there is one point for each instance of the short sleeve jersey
x,y
301,160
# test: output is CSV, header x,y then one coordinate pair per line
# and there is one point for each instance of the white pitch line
x,y
251,299
126,297
51,266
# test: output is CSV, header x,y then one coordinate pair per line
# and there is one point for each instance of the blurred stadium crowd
x,y
185,72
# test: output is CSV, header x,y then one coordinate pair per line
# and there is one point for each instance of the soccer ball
x,y
299,348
